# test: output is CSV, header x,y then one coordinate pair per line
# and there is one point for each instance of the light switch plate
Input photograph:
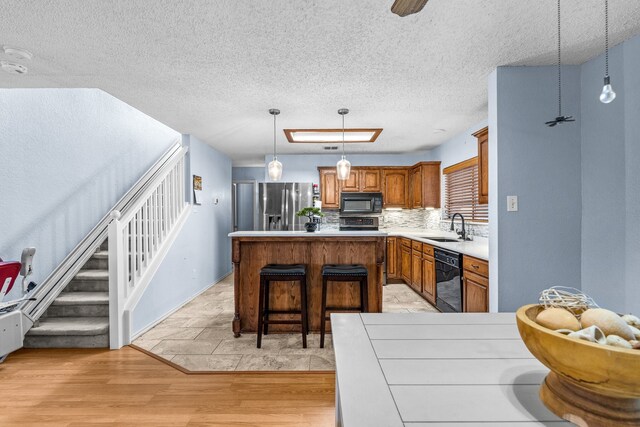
x,y
512,203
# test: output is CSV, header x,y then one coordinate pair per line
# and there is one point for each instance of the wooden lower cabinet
x,y
416,270
429,278
392,258
405,262
475,285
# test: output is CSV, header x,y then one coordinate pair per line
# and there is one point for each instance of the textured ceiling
x,y
214,68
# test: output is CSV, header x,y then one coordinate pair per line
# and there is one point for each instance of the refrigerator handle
x,y
286,208
284,203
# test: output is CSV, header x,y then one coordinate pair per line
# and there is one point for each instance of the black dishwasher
x,y
448,281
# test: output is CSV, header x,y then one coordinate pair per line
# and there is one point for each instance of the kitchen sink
x,y
443,239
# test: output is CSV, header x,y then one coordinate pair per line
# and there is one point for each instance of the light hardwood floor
x,y
74,387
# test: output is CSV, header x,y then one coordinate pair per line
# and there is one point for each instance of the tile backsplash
x,y
411,218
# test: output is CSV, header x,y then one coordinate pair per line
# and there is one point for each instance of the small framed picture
x,y
197,190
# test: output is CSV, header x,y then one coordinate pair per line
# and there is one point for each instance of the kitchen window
x,y
461,191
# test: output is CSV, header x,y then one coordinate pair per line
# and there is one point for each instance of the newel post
x,y
117,282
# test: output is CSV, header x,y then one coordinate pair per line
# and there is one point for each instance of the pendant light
x,y
275,167
607,94
344,166
559,118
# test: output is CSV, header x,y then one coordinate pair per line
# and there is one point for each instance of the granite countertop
x,y
319,233
477,248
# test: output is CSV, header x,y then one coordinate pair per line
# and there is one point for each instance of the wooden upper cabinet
x,y
352,183
415,188
395,187
329,192
370,180
425,185
483,165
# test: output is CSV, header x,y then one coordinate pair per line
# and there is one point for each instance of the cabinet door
x,y
370,180
429,279
395,188
430,185
475,293
352,183
329,188
405,263
415,192
483,165
392,258
416,270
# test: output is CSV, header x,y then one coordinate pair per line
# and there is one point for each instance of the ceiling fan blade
x,y
551,123
407,7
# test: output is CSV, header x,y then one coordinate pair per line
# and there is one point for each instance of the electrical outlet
x,y
512,203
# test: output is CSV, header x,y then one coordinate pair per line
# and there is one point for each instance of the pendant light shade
x,y
607,95
275,169
343,168
275,166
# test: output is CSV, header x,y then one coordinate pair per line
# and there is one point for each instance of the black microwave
x,y
360,203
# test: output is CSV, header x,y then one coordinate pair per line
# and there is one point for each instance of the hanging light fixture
x,y
344,166
607,94
559,118
275,167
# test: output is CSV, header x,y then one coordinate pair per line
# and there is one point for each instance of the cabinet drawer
x,y
405,242
416,246
427,249
476,265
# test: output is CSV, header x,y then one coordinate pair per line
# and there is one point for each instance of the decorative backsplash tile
x,y
410,218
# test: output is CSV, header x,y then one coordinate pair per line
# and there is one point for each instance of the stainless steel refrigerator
x,y
278,203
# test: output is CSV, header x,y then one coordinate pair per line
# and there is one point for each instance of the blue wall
x,y
201,254
68,156
248,173
538,246
611,180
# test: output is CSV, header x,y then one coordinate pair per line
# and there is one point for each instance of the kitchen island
x,y
252,250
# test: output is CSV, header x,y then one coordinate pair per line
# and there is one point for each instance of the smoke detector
x,y
17,54
13,68
439,130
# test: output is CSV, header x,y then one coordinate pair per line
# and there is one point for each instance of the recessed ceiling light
x,y
17,54
439,130
13,68
332,135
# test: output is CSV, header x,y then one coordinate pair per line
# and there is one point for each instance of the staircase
x,y
79,316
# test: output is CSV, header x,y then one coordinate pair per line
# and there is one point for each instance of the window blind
x,y
461,191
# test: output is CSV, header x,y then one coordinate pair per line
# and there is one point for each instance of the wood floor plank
x,y
74,387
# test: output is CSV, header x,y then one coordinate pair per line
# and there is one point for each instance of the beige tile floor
x,y
198,336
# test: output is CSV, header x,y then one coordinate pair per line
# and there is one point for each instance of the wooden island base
x,y
251,253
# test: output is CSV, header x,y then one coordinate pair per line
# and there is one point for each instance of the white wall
x,y
201,254
67,155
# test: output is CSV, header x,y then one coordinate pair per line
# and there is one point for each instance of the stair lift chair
x,y
11,328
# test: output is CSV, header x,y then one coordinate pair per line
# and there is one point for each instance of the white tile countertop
x,y
435,369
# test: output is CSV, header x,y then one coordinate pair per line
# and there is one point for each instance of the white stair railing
x,y
139,238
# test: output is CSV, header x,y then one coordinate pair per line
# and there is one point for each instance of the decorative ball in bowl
x,y
590,383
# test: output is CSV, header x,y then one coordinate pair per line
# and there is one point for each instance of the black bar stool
x,y
343,273
282,273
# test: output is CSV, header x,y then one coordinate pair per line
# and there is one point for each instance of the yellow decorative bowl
x,y
589,384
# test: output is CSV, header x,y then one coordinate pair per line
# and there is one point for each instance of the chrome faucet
x,y
462,233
